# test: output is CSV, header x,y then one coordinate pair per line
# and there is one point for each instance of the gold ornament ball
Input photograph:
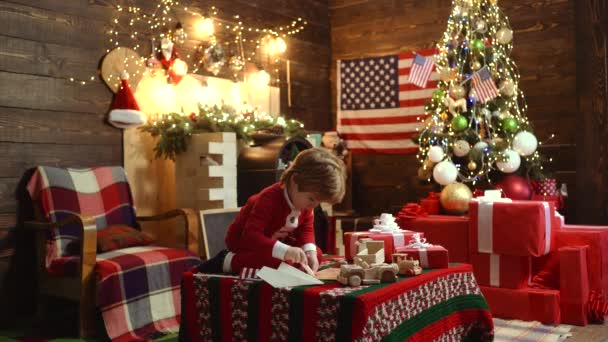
x,y
476,65
424,174
429,164
455,198
472,165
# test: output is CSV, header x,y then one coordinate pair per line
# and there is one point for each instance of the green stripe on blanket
x,y
434,314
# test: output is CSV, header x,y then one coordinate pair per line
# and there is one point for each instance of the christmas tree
x,y
476,130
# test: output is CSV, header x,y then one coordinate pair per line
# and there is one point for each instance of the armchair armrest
x,y
88,250
191,221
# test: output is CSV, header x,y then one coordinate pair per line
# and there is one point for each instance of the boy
x,y
276,224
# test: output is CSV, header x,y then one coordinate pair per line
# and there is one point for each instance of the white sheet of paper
x,y
286,276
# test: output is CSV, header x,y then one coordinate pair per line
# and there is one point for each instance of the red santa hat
x,y
124,112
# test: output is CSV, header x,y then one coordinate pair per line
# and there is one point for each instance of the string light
x,y
128,23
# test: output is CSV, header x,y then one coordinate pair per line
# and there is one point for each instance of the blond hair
x,y
320,171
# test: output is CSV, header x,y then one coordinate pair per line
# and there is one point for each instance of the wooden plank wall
x,y
592,84
47,120
544,52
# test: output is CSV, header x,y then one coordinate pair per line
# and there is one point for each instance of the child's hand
x,y
296,255
313,262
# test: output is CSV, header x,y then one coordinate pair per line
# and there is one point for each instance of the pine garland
x,y
174,129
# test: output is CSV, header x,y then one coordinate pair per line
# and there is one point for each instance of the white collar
x,y
288,200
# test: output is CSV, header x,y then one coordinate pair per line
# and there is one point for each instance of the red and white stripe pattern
x,y
421,70
484,85
249,273
379,111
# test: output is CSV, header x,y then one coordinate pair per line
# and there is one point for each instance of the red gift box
x,y
574,284
391,241
521,228
448,231
430,204
506,271
524,304
597,257
434,256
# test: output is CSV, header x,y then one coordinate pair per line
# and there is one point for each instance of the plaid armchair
x,y
136,288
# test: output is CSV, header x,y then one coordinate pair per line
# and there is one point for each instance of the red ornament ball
x,y
515,187
193,116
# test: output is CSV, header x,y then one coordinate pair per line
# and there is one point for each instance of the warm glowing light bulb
x,y
279,45
263,78
205,28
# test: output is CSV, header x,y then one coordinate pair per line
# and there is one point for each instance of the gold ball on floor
x,y
455,198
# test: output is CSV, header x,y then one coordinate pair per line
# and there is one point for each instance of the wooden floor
x,y
590,333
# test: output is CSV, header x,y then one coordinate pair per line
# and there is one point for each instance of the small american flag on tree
x,y
421,70
484,85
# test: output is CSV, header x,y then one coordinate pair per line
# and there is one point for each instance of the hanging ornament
x,y
446,74
480,146
461,148
445,172
476,65
512,162
498,144
481,26
455,106
504,35
428,164
166,48
436,154
424,174
459,123
515,187
478,45
180,34
179,67
472,99
485,112
438,95
507,87
457,92
455,198
525,143
214,58
472,165
510,125
236,64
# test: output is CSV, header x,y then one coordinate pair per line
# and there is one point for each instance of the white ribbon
x,y
548,219
419,243
485,219
495,270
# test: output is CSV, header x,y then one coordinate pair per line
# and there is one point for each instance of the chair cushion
x,y
121,236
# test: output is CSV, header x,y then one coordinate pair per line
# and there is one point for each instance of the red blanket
x,y
440,304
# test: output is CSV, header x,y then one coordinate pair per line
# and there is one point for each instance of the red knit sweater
x,y
265,213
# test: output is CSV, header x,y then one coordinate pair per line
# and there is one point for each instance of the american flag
x,y
484,85
421,70
378,109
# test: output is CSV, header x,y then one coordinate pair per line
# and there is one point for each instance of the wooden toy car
x,y
355,275
409,267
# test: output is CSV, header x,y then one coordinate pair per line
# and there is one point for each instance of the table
x,y
444,304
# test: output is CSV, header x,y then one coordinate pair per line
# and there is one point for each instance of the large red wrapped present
x,y
391,241
430,256
524,304
596,238
506,271
451,232
574,284
522,228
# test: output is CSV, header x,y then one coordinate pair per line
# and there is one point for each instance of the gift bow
x,y
412,210
418,242
433,195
